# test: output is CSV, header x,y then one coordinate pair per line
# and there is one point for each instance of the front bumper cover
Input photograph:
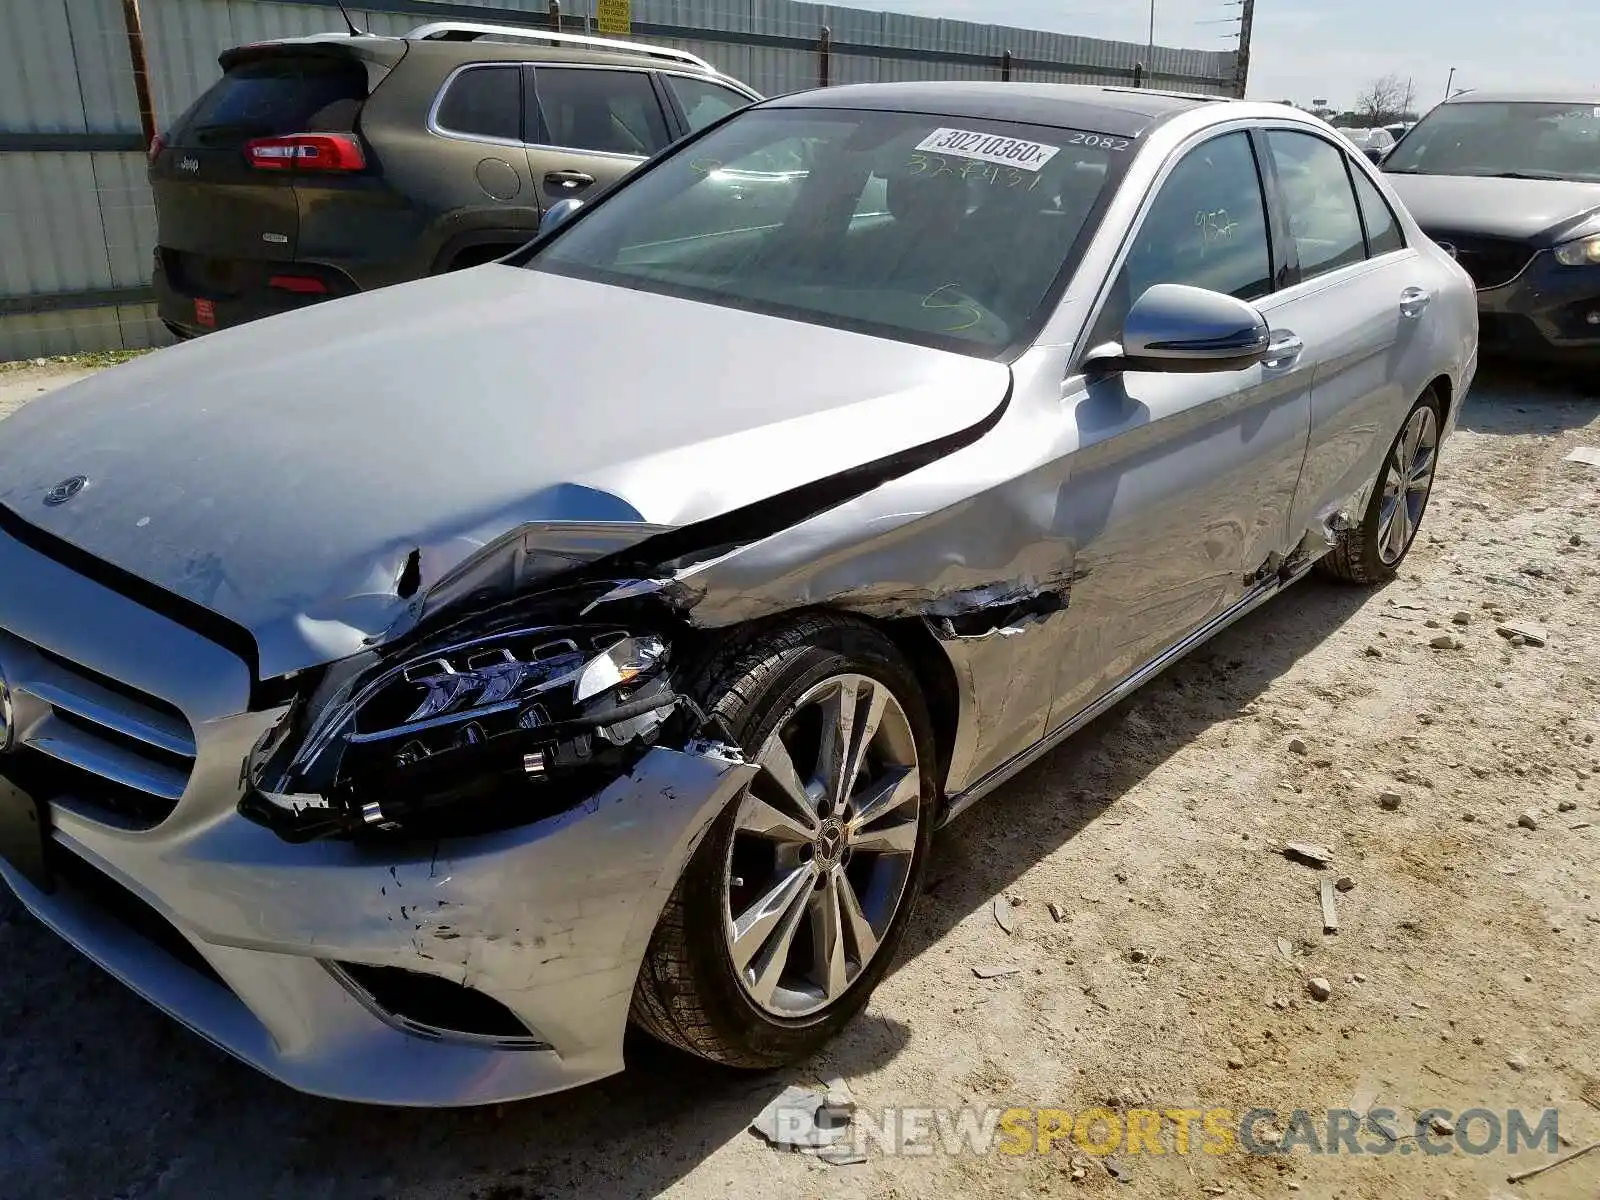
x,y
1543,314
550,919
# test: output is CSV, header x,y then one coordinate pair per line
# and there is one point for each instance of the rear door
x,y
592,126
214,209
1355,306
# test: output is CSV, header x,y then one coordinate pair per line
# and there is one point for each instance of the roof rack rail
x,y
443,29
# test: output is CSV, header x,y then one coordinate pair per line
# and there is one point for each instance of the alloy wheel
x,y
823,845
1407,480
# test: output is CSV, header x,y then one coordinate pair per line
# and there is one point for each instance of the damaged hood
x,y
309,477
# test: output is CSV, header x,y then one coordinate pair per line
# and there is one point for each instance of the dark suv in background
x,y
1509,184
321,166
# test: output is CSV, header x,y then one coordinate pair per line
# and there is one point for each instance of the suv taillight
x,y
306,152
157,145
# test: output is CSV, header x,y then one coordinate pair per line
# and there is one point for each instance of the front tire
x,y
1372,552
791,909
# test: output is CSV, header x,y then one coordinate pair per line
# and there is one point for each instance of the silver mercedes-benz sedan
x,y
408,693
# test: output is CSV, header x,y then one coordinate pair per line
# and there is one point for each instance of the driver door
x,y
1181,483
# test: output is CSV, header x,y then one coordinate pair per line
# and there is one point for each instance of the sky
x,y
1305,50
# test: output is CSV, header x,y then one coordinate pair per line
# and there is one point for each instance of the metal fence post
x,y
1005,66
141,69
824,56
1138,74
555,15
1247,19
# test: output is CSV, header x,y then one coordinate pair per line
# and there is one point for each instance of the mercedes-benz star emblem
x,y
5,714
66,490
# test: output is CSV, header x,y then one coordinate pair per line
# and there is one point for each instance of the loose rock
x,y
1447,641
1345,884
1002,914
1462,618
1389,801
1309,852
1517,1062
1374,652
1529,820
1057,913
1567,806
1531,634
1319,988
1297,746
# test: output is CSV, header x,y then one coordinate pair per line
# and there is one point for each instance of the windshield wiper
x,y
1518,175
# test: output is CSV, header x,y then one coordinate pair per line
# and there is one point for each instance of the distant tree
x,y
1386,100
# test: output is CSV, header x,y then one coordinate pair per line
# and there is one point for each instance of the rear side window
x,y
1383,230
275,97
703,102
615,112
483,102
1323,219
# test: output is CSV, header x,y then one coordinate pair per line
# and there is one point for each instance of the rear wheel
x,y
791,909
1373,551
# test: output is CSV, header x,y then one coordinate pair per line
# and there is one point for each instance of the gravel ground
x,y
1463,974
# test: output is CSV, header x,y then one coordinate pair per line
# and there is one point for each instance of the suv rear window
x,y
277,96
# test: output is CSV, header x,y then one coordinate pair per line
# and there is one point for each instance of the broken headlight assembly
x,y
513,726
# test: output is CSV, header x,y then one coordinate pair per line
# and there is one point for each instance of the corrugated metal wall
x,y
77,226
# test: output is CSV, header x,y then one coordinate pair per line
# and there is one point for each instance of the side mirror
x,y
1377,154
557,213
1174,327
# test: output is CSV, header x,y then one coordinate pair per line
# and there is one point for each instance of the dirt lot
x,y
1465,973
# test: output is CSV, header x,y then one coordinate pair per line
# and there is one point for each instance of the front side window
x,y
1514,139
703,102
614,112
1206,228
1323,219
945,231
484,102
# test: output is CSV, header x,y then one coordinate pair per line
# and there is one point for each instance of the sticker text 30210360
x,y
1012,152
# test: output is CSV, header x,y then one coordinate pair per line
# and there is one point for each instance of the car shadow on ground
x,y
987,850
1518,398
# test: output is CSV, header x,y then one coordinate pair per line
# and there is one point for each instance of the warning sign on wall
x,y
614,16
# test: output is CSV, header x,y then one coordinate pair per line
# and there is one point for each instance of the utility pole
x,y
1247,17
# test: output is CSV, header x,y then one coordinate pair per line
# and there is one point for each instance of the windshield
x,y
945,231
1518,138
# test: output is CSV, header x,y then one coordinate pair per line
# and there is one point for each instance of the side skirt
x,y
1252,600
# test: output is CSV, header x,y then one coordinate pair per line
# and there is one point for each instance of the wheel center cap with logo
x,y
830,843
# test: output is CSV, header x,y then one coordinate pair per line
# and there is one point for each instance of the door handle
x,y
568,181
1413,300
1283,351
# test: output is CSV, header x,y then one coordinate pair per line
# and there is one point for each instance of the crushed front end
x,y
426,875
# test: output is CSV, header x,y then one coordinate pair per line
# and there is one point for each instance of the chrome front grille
x,y
92,739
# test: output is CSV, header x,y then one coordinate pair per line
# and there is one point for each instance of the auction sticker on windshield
x,y
989,147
